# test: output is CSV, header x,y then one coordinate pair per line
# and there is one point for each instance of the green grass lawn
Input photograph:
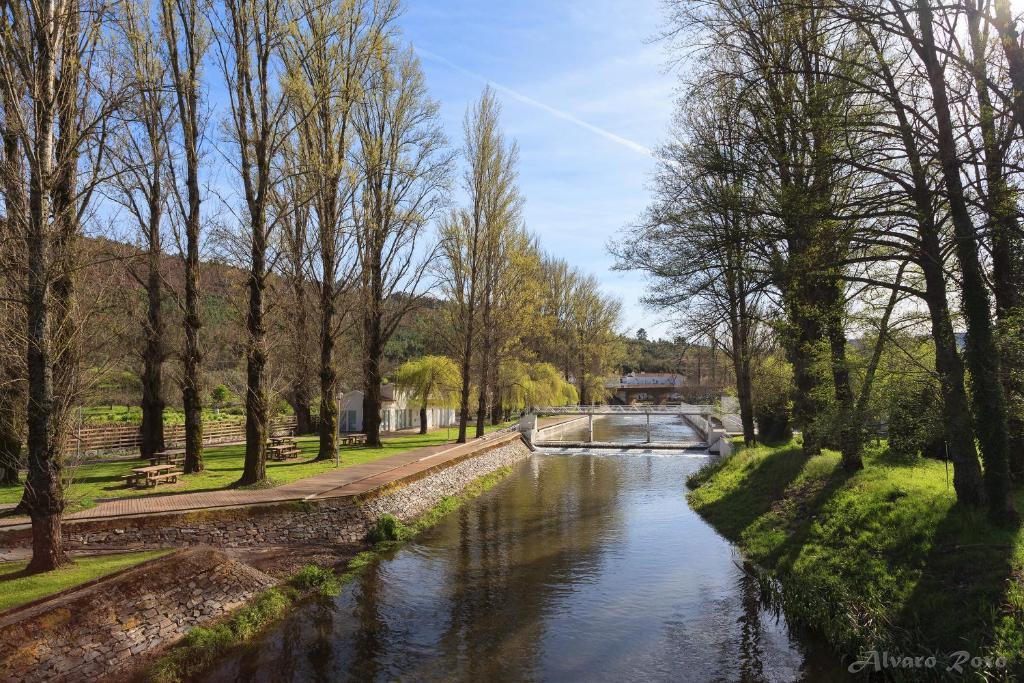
x,y
93,483
172,416
16,589
879,560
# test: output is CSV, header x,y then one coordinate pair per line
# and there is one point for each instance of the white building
x,y
397,412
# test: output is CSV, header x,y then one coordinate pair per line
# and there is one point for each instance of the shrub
x,y
319,579
915,422
388,529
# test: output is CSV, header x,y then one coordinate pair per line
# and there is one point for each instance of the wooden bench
x,y
170,477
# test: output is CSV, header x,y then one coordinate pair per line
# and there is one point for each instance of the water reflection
x,y
578,567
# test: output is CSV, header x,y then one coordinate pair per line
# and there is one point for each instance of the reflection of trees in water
x,y
321,651
372,634
751,651
515,553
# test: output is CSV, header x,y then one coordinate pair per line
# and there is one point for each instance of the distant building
x,y
644,387
396,413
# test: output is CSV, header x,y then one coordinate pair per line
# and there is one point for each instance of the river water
x,y
580,566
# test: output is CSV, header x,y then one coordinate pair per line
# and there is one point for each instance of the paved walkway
x,y
349,481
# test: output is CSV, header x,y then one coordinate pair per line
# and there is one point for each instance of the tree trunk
x,y
302,406
373,349
982,351
192,357
257,420
956,410
805,406
44,495
328,426
850,430
10,454
152,429
1007,280
956,413
423,419
372,402
464,392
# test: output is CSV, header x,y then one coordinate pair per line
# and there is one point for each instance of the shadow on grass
x,y
763,484
806,509
962,594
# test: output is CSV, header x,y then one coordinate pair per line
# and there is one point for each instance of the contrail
x,y
564,115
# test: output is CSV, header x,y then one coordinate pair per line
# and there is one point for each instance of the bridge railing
x,y
678,409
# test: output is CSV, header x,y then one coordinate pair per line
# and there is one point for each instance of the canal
x,y
580,566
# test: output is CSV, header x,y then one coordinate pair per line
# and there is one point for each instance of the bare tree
x,y
403,165
13,192
55,107
139,153
185,36
249,40
328,56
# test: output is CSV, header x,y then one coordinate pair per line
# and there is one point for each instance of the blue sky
x,y
584,93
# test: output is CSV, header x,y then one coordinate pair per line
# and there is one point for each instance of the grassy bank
x,y
95,482
203,647
17,589
880,560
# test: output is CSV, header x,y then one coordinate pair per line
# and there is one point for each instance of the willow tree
x,y
403,166
250,39
430,379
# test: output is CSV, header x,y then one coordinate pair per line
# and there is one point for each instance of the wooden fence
x,y
125,437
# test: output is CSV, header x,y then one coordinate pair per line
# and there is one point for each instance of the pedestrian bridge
x,y
703,419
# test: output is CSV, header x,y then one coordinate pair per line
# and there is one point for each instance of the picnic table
x,y
352,439
141,477
283,451
166,458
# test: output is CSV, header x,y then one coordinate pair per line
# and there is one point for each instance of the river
x,y
580,566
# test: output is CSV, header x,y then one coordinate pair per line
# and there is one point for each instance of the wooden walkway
x,y
349,481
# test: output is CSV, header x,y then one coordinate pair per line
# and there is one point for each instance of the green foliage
x,y
313,578
881,559
388,529
772,381
202,646
534,384
914,422
221,395
431,379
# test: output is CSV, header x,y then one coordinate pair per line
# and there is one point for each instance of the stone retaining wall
x,y
337,520
103,629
